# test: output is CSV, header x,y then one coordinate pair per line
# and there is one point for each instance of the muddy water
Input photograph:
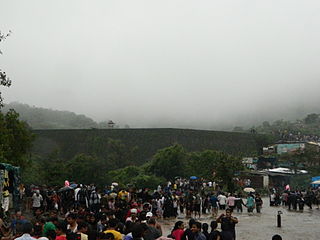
x,y
295,225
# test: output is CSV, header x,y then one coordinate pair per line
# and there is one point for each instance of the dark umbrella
x,y
63,189
73,185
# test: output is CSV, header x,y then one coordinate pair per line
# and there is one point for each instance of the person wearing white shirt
x,y
222,201
27,229
36,200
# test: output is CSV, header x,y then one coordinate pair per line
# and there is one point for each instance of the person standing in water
x,y
228,223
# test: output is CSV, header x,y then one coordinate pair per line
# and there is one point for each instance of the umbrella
x,y
63,189
115,184
193,178
316,182
113,195
249,190
74,185
67,188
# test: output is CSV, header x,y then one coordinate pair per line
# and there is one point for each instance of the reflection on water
x,y
295,225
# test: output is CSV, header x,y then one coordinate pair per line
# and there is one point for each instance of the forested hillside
x,y
42,118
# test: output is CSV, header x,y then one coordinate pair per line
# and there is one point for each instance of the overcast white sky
x,y
168,63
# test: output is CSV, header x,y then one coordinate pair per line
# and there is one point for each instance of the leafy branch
x,y
4,79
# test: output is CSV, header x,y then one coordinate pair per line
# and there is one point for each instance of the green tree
x,y
54,169
86,169
136,176
263,140
308,158
266,125
294,160
97,146
124,175
4,79
227,168
119,154
147,181
312,118
34,173
169,162
15,140
203,164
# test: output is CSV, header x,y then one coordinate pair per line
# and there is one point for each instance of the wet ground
x,y
295,225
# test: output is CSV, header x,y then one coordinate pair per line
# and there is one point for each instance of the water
x,y
295,225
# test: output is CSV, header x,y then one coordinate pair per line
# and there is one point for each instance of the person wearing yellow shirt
x,y
123,195
113,223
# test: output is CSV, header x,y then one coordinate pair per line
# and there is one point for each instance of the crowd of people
x,y
86,213
296,200
296,136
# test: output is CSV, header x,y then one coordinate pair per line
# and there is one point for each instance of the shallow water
x,y
295,225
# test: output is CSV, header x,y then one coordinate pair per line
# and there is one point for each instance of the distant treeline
x,y
43,118
309,125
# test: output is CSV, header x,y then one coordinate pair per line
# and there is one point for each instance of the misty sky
x,y
165,63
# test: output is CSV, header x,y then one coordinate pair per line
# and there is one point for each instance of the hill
x,y
94,141
43,118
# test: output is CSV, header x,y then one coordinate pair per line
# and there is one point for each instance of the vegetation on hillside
x,y
15,140
42,118
309,125
166,164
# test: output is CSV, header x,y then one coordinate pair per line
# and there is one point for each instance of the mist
x,y
187,64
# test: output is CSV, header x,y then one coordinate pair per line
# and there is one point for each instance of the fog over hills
x,y
43,118
182,64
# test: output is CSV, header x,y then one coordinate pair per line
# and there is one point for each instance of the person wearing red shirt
x,y
178,230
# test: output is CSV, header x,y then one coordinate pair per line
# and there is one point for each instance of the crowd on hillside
x,y
86,213
296,136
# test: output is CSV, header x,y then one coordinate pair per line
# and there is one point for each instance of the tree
x,y
227,168
136,176
263,140
169,162
203,164
15,135
312,118
124,175
86,169
215,165
147,181
266,125
119,154
54,169
4,79
15,139
308,158
34,173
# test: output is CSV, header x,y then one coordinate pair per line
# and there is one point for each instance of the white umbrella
x,y
316,182
115,184
113,195
249,190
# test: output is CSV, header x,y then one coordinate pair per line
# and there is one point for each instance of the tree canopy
x,y
175,161
15,140
169,162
